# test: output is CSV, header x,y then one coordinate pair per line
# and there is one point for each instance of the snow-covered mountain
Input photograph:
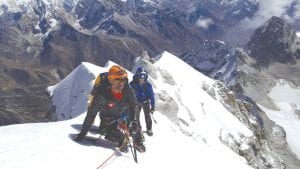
x,y
267,72
188,131
272,54
199,122
42,41
191,115
276,41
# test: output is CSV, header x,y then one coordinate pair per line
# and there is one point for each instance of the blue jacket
x,y
143,92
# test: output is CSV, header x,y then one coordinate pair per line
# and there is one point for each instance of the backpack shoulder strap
x,y
101,81
98,80
104,75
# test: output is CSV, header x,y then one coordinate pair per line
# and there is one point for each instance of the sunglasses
x,y
120,80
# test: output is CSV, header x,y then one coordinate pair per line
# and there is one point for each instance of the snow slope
x,y
187,138
287,98
47,145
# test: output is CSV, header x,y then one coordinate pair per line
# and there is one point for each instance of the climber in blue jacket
x,y
145,96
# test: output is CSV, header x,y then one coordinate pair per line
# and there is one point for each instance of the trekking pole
x,y
133,152
152,117
134,149
123,128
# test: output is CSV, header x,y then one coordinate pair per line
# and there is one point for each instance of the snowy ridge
x,y
19,5
75,88
48,146
199,116
191,116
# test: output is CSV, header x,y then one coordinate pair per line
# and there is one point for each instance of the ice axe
x,y
152,117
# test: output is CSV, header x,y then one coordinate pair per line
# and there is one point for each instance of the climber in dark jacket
x,y
117,105
145,96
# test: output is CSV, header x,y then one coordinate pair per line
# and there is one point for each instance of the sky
x,y
192,144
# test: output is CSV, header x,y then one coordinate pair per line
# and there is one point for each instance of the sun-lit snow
x,y
48,145
14,5
288,100
197,107
285,93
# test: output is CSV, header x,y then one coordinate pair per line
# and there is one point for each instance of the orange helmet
x,y
117,72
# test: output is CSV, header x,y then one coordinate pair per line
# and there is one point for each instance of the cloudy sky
x,y
269,8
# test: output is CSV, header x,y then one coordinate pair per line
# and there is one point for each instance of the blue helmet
x,y
140,70
141,73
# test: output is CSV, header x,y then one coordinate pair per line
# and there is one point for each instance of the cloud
x,y
269,8
204,22
297,10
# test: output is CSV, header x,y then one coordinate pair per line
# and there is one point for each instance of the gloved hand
x,y
133,127
122,124
122,121
152,110
79,137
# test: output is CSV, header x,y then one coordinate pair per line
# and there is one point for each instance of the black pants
x,y
113,134
146,107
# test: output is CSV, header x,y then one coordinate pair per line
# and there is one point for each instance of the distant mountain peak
x,y
273,43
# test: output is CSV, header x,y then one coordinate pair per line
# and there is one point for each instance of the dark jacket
x,y
111,109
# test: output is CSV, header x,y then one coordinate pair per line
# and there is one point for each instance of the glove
x,y
79,137
133,127
124,121
122,124
152,110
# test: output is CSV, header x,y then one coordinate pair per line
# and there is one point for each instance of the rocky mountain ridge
x,y
41,41
271,54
